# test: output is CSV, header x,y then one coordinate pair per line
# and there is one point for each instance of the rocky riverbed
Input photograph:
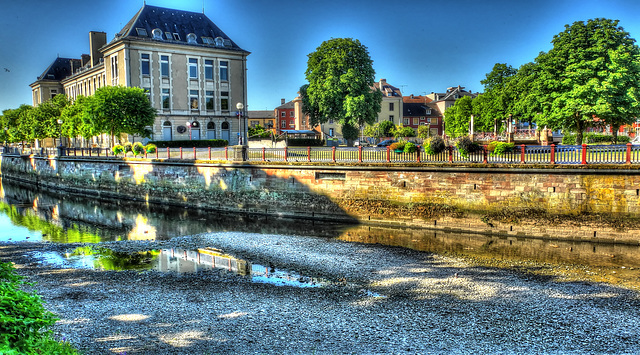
x,y
381,300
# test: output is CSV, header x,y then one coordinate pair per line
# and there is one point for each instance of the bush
x,y
117,149
150,148
137,149
594,138
128,147
410,147
397,146
24,322
499,148
435,145
305,142
203,143
466,146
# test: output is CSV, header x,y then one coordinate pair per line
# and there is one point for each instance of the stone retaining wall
x,y
439,197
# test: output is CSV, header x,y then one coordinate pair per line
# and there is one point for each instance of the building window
x,y
193,99
428,111
166,99
283,124
145,67
164,66
415,121
391,106
224,70
193,68
208,69
114,69
292,114
53,92
147,91
283,114
142,32
224,100
406,121
209,100
331,132
391,118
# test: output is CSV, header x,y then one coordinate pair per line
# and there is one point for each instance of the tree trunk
x,y
614,133
579,129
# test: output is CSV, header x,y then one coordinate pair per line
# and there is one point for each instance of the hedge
x,y
594,138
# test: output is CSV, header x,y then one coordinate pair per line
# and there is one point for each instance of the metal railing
x,y
521,154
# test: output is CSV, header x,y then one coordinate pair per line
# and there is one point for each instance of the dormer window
x,y
219,41
142,32
176,36
157,34
208,40
167,35
191,38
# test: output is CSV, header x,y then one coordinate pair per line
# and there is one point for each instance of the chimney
x,y
85,59
96,41
282,101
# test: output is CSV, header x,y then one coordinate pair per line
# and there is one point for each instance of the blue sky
x,y
418,46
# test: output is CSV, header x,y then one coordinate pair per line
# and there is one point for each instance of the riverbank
x,y
381,300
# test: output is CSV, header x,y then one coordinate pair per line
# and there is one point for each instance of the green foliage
x,y
424,131
410,147
150,148
340,76
305,142
258,132
466,146
350,132
117,149
594,138
435,145
458,116
592,71
202,143
400,132
128,147
116,109
24,322
499,148
138,149
380,129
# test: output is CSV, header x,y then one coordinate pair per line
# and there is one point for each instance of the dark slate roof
x,y
260,114
412,109
60,69
177,22
287,105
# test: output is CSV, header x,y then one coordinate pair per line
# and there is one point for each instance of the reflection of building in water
x,y
180,260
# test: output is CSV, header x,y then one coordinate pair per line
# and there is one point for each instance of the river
x,y
29,214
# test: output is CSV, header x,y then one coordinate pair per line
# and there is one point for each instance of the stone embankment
x,y
381,300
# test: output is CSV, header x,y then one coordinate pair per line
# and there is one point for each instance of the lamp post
x,y
189,128
240,115
60,131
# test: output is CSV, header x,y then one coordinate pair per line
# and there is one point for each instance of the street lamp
x,y
239,113
60,131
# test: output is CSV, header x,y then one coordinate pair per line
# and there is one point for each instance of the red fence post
x,y
484,153
264,153
180,153
226,153
628,154
157,150
388,154
418,154
194,153
450,154
360,153
286,153
209,153
584,154
308,153
522,154
168,153
89,151
333,154
553,154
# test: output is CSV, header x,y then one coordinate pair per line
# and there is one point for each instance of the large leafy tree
x,y
591,71
116,109
458,116
496,103
340,78
380,129
15,122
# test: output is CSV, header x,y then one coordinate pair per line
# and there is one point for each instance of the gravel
x,y
382,300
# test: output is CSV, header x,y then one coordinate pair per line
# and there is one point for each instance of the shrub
x,y
137,149
397,146
594,138
435,145
499,148
466,146
24,322
410,147
150,148
117,149
128,147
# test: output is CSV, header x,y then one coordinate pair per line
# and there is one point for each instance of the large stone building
x,y
195,75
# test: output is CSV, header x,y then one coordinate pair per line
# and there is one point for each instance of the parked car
x,y
363,143
386,143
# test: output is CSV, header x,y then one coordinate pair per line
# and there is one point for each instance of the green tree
x,y
350,133
424,131
380,129
402,132
340,78
116,110
497,101
458,116
75,119
591,71
17,123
